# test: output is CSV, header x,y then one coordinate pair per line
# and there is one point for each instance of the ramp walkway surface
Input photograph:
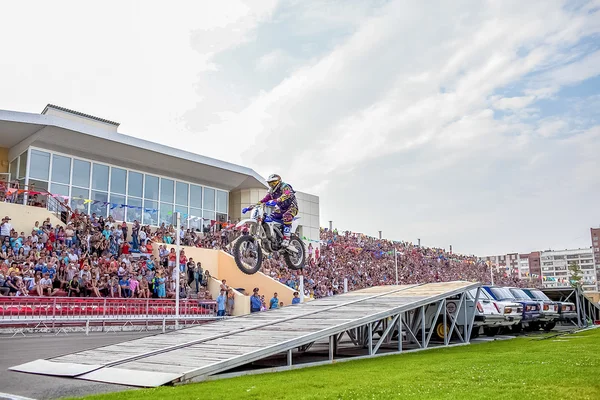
x,y
193,354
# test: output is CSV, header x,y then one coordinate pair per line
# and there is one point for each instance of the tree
x,y
575,272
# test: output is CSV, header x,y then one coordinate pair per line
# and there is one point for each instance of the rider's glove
x,y
245,210
271,203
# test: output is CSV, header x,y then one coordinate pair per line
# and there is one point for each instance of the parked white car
x,y
493,315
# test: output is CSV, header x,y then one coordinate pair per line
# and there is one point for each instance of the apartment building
x,y
555,267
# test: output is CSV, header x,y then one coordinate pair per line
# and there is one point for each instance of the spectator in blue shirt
x,y
255,302
124,283
221,302
296,299
274,303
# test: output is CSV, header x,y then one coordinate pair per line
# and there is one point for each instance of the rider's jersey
x,y
284,195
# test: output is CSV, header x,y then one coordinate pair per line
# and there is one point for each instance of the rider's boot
x,y
286,236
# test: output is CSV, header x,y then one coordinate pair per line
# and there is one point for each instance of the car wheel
x,y
548,326
441,329
490,331
518,328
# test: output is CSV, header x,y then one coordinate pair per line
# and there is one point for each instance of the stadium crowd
x,y
98,257
367,261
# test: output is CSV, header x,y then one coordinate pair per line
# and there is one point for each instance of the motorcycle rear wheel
x,y
237,254
290,258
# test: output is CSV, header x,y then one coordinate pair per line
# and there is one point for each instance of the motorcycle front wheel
x,y
247,255
295,260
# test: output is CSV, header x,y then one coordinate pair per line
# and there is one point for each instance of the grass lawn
x,y
561,367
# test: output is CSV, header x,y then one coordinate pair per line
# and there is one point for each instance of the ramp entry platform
x,y
588,312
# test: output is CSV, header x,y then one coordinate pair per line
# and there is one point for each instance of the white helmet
x,y
274,182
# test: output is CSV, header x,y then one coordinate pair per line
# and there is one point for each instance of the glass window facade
x,y
22,165
135,184
105,190
195,196
151,188
100,177
118,180
14,166
39,166
166,190
181,193
209,199
81,173
61,169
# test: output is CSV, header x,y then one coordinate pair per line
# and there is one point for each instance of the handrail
x,y
53,204
24,308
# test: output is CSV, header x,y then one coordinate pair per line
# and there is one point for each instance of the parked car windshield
x,y
483,295
519,294
538,294
502,294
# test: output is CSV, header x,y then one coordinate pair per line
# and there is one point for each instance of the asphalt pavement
x,y
19,350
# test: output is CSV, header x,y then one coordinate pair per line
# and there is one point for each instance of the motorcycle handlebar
x,y
270,203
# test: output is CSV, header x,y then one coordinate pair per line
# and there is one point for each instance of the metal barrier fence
x,y
23,309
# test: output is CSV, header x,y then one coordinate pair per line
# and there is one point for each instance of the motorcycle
x,y
265,235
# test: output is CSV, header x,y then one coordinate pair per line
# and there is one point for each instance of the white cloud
x,y
389,114
272,60
513,103
129,61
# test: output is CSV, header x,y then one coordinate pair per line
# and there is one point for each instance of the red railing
x,y
65,308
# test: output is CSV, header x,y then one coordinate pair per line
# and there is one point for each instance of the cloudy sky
x,y
471,123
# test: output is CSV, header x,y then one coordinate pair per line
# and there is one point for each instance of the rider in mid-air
x,y
287,205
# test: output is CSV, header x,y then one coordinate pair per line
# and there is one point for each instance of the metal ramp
x,y
588,312
369,322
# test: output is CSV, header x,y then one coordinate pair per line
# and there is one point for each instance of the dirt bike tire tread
x,y
238,261
286,255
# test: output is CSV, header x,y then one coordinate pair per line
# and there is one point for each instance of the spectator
x,y
296,299
255,301
74,289
5,229
274,303
224,285
221,303
230,302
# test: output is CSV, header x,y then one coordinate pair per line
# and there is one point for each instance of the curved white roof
x,y
85,136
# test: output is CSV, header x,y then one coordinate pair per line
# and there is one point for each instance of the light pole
x,y
396,261
177,241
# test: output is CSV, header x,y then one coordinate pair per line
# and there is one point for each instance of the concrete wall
x,y
241,305
4,160
239,199
309,216
222,266
235,278
23,217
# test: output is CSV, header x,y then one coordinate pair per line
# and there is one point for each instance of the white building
x,y
96,169
308,206
524,272
555,267
510,264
